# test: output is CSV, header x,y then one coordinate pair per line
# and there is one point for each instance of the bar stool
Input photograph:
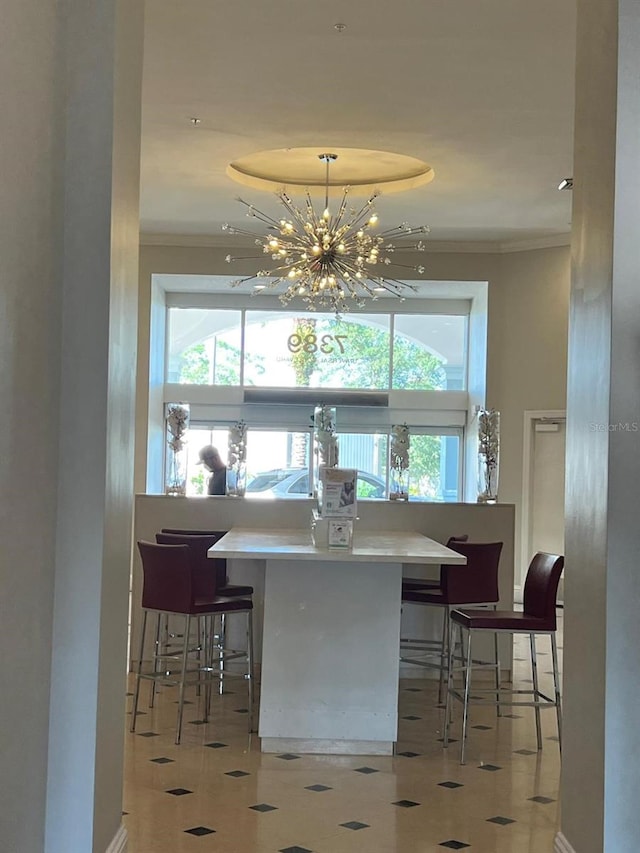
x,y
210,578
170,586
475,583
411,584
224,588
538,617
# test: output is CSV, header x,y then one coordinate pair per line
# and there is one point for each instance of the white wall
x,y
600,780
29,383
69,153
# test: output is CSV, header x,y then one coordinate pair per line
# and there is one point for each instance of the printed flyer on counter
x,y
339,492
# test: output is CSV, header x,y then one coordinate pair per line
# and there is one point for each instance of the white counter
x,y
331,636
369,546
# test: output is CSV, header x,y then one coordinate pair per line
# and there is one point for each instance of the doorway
x,y
542,489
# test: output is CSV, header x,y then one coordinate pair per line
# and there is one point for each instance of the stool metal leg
x,y
443,655
447,707
536,692
134,709
156,657
183,675
467,685
206,647
250,666
497,660
222,641
556,686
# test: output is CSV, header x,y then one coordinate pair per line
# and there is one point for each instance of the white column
x,y
95,477
69,155
600,781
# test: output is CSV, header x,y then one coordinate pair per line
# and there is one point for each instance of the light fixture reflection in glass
x,y
329,260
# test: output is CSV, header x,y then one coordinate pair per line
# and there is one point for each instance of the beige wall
x,y
527,353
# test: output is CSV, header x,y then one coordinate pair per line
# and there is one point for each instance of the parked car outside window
x,y
293,483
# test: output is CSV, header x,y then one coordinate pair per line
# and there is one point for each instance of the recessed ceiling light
x,y
195,121
340,27
259,286
566,184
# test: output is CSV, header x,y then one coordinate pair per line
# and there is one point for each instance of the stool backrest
x,y
541,587
168,577
218,563
451,543
477,582
206,573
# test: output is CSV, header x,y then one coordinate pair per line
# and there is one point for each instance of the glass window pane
x,y
203,346
197,438
429,352
277,464
433,467
367,453
295,350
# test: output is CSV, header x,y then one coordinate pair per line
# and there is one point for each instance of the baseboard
x,y
561,845
119,842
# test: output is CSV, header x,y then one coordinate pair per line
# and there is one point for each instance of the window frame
x,y
433,411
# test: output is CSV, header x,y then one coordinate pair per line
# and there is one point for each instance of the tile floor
x,y
218,792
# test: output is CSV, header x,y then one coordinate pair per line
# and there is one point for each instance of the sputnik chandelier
x,y
329,260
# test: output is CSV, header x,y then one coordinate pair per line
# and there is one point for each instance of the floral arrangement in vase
x,y
325,445
399,463
237,456
488,455
325,435
177,426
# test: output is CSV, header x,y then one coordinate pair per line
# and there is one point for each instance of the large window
x,y
290,350
235,358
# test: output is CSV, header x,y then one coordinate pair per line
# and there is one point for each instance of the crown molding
x,y
494,247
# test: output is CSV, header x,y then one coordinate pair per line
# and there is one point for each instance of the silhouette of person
x,y
210,458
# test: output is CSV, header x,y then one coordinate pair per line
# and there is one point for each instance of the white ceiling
x,y
482,90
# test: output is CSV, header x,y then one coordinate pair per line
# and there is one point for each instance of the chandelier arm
x,y
401,285
400,231
409,247
240,281
232,258
404,267
292,210
366,207
259,214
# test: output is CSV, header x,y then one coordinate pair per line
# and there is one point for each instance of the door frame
x,y
530,417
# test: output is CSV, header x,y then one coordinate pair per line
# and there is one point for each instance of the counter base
x,y
317,746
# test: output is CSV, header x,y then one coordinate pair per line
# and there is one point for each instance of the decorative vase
x,y
237,468
177,426
488,455
325,443
399,463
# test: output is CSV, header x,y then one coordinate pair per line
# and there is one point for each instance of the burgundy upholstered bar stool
x,y
224,587
411,584
538,617
170,586
475,583
210,575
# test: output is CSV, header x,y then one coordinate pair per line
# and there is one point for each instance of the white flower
x,y
237,444
400,445
489,436
177,420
